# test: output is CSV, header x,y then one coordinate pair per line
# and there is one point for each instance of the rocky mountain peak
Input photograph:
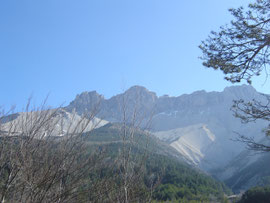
x,y
140,91
241,91
88,95
85,102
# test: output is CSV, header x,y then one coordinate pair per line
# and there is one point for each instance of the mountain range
x,y
200,126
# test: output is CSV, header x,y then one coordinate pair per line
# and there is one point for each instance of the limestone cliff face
x,y
86,102
136,98
189,108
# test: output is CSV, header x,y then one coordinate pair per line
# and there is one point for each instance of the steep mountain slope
x,y
205,145
112,133
62,121
246,170
186,114
202,107
192,142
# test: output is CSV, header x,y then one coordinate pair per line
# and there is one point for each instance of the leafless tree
x,y
128,184
40,161
45,159
134,122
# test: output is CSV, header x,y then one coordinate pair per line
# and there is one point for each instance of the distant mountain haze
x,y
248,169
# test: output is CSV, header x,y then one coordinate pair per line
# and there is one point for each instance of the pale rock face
x,y
193,142
61,122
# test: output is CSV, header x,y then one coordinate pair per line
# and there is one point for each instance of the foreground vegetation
x,y
174,180
114,163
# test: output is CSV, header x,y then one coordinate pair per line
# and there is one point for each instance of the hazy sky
x,y
64,47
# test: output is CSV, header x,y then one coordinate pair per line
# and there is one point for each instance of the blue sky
x,y
64,47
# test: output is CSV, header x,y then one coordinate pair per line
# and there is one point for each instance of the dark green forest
x,y
176,180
